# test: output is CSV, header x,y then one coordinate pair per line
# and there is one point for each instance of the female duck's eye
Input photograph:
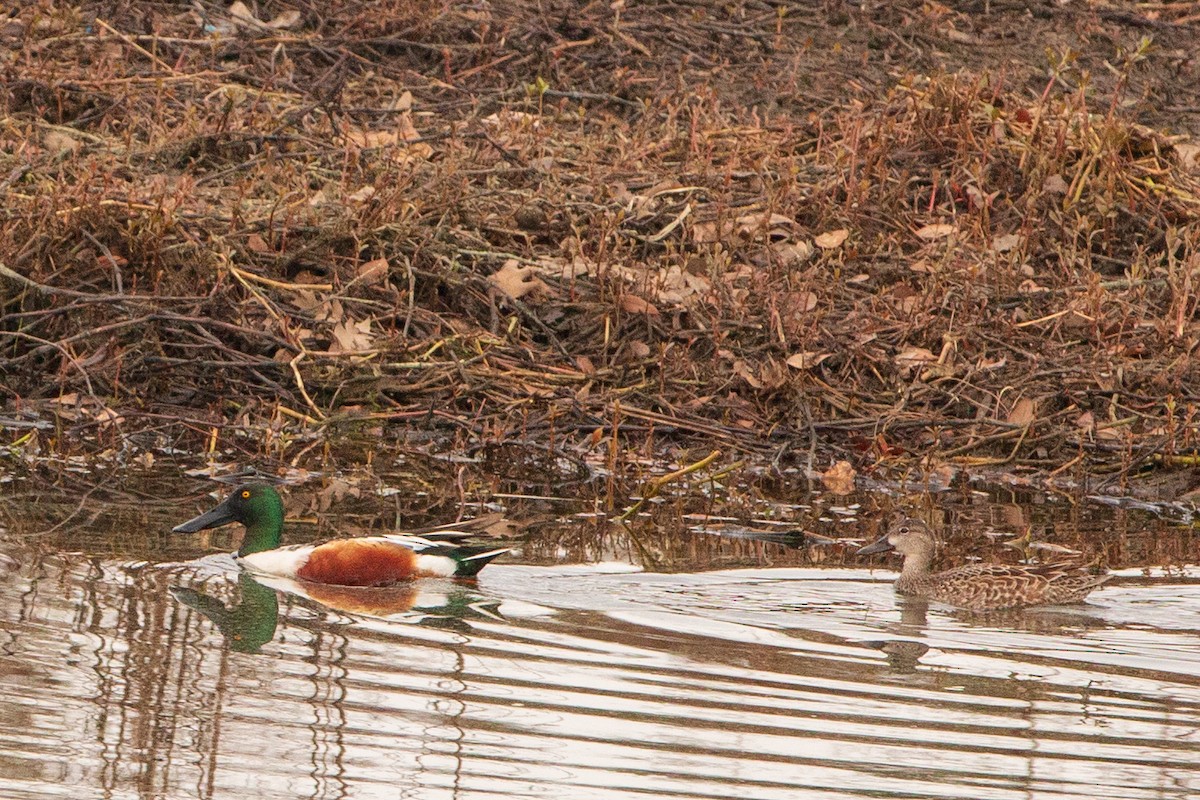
x,y
245,494
902,529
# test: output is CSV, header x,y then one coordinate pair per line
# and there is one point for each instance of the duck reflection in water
x,y
903,655
246,625
251,622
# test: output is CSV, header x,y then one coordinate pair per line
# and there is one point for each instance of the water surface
x,y
143,669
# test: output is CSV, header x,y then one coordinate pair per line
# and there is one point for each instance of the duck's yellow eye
x,y
245,494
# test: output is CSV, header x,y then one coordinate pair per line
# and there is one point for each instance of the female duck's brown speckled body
x,y
980,587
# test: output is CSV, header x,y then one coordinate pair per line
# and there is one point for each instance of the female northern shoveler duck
x,y
364,561
979,587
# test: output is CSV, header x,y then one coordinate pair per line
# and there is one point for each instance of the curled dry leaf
x,y
807,360
839,479
793,254
912,357
749,225
938,231
638,350
57,142
831,239
1024,411
746,373
242,16
372,272
286,19
633,304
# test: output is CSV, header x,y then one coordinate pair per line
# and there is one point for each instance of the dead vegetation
x,y
801,232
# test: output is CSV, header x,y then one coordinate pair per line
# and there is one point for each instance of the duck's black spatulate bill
x,y
221,515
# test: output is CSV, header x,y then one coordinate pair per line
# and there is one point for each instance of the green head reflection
x,y
248,624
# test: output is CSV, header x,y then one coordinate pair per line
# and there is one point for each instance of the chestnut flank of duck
x,y
362,561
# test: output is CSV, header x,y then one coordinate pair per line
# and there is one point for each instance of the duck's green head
x,y
257,506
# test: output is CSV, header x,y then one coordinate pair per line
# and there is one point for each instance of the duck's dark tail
x,y
470,560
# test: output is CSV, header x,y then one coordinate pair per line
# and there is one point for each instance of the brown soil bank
x,y
873,231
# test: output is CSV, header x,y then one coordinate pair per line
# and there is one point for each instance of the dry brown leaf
x,y
802,302
515,281
517,118
986,364
1024,411
911,357
372,272
57,142
350,336
807,360
743,371
750,225
1054,184
336,489
106,416
257,244
1189,155
367,139
831,239
709,232
937,231
633,304
404,102
678,286
793,254
408,131
773,374
330,311
839,479
305,300
242,16
286,19
240,12
1002,244
639,350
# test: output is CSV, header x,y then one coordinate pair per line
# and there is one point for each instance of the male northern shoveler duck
x,y
979,587
363,561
